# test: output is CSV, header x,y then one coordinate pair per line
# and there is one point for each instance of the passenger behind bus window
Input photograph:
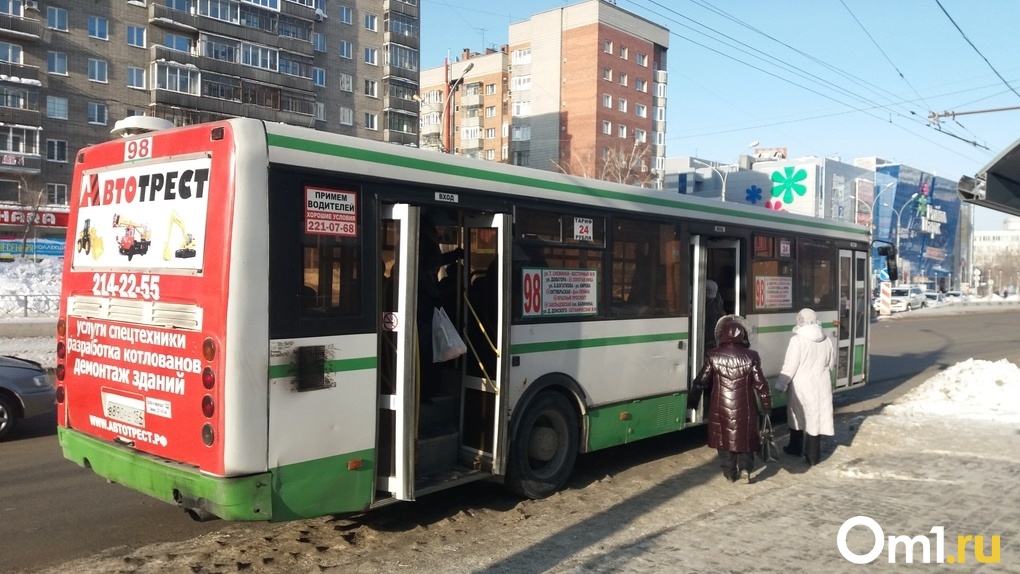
x,y
714,310
430,259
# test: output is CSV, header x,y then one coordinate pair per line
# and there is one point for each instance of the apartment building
x,y
588,93
464,106
70,69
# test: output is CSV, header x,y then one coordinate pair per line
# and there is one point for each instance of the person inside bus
x,y
714,310
806,379
430,259
733,374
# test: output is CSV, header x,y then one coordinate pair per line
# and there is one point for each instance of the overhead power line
x,y
976,49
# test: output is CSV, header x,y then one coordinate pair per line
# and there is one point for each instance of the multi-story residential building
x,y
464,106
70,69
588,93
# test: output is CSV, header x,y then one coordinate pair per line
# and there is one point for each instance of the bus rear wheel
x,y
544,449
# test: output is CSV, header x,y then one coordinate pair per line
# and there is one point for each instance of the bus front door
x,y
854,318
398,243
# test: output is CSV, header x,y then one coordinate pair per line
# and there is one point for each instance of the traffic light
x,y
889,252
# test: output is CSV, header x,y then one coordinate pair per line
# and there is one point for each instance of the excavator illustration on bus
x,y
136,239
187,244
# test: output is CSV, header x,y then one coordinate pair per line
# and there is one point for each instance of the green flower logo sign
x,y
788,183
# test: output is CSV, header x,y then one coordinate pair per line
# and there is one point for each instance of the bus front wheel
x,y
543,451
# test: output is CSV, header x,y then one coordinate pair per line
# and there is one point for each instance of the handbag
x,y
768,452
446,341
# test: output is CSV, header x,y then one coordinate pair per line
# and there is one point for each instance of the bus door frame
x,y
502,223
854,275
701,244
401,485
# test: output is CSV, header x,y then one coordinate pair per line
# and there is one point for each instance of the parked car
x,y
906,299
933,299
954,296
25,392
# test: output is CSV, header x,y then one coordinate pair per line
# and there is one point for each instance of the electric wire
x,y
958,29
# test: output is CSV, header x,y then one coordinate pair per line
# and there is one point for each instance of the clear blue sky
x,y
846,78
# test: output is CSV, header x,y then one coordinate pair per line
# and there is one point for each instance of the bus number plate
x,y
124,409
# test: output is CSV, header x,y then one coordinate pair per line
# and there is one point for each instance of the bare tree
x,y
33,201
620,164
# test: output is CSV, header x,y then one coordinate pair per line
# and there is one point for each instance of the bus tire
x,y
544,448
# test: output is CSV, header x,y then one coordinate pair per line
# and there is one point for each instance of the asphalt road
x,y
52,511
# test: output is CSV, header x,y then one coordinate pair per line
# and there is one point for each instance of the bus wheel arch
x,y
545,438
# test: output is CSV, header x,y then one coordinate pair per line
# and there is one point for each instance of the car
x,y
25,392
906,299
933,299
955,296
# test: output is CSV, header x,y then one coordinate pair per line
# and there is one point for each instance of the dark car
x,y
25,392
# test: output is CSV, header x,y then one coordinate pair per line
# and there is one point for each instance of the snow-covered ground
x,y
972,389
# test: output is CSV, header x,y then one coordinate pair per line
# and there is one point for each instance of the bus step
x,y
435,454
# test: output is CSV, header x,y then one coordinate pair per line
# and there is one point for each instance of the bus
x,y
243,302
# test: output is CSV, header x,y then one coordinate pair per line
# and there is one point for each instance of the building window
x,y
607,47
320,111
490,133
177,42
641,85
490,154
607,74
371,88
97,113
621,131
641,110
641,59
10,53
56,193
660,113
490,111
623,79
623,52
346,50
522,157
607,101
522,83
56,150
371,22
56,19
97,70
346,83
56,63
522,108
371,121
490,89
639,135
136,78
99,28
346,116
319,76
522,133
56,108
607,127
622,105
346,15
319,40
521,57
372,56
136,36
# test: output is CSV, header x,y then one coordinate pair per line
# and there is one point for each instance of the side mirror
x,y
889,252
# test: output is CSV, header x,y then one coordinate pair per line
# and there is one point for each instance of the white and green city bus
x,y
238,329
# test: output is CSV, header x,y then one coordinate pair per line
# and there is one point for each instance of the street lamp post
x,y
448,117
723,174
899,217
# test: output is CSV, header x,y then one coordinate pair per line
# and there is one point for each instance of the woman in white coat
x,y
807,380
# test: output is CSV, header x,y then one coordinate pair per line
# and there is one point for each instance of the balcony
x,y
167,18
11,162
228,108
431,129
20,116
232,69
19,28
471,100
10,70
471,144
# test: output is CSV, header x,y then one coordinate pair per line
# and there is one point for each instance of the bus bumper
x,y
243,498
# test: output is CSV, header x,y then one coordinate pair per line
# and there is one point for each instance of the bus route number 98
x,y
532,292
126,285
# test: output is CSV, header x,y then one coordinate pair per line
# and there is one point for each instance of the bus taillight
x,y
207,434
209,349
61,328
60,393
208,378
61,350
60,372
208,407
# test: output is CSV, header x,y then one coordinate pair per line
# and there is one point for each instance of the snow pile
x,y
974,390
26,277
